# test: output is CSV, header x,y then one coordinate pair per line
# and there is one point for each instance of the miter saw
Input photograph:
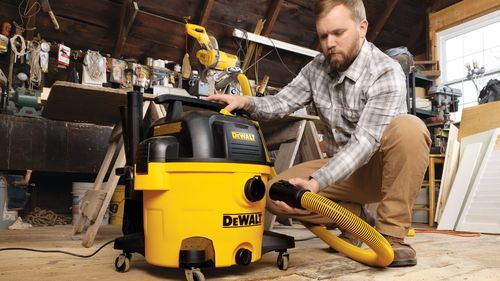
x,y
221,69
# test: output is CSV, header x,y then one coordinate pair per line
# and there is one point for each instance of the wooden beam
x,y
251,48
205,14
415,36
375,31
128,13
435,6
272,16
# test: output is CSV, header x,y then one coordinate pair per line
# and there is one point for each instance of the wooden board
x,y
460,187
479,119
52,146
82,103
481,210
450,167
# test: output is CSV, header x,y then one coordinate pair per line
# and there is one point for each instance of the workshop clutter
x,y
35,63
79,189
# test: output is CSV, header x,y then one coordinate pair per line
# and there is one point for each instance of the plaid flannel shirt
x,y
355,107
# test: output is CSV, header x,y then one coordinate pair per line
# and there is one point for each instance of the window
x,y
474,43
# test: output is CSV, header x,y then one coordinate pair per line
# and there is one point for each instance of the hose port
x,y
255,189
243,257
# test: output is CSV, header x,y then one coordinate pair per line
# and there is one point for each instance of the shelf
x,y
428,113
423,77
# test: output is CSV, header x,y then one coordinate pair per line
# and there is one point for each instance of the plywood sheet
x,y
460,187
481,211
479,119
81,103
449,170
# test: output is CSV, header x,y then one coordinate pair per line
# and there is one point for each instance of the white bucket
x,y
79,190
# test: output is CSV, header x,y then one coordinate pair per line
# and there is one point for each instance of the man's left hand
x,y
311,185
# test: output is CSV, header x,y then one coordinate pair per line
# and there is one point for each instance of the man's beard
x,y
341,64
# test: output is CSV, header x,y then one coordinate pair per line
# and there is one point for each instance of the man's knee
x,y
406,131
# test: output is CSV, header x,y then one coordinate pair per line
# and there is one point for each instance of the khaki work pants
x,y
393,177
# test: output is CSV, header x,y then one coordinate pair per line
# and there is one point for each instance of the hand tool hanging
x,y
46,8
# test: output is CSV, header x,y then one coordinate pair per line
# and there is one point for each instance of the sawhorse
x,y
291,136
94,204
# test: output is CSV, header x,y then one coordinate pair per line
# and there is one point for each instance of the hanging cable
x,y
28,12
283,63
261,58
18,51
34,62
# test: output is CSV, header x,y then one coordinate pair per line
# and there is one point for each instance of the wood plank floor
x,y
440,257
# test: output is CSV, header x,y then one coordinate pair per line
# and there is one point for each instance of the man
x,y
378,153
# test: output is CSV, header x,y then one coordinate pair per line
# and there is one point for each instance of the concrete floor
x,y
440,257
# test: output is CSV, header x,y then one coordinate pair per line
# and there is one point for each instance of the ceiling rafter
x,y
272,16
206,11
415,36
436,4
128,12
379,25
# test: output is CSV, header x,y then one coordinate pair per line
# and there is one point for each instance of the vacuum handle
x,y
288,193
199,103
189,102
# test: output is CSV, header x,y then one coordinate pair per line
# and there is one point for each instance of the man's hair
x,y
357,8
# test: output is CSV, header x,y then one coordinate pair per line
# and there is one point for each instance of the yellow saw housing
x,y
209,55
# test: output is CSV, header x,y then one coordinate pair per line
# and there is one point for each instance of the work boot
x,y
404,254
350,238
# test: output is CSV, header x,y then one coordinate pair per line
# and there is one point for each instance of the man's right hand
x,y
233,102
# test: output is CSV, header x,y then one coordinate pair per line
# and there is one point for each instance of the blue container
x,y
3,204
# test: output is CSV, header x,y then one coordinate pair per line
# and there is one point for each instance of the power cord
x,y
306,238
58,251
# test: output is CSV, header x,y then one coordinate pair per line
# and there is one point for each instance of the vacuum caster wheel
x,y
122,262
282,261
194,274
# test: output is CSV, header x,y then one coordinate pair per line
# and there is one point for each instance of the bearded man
x,y
377,152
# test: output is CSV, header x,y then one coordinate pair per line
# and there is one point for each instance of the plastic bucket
x,y
78,191
116,205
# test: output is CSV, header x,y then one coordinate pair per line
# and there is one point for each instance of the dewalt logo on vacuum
x,y
242,136
241,220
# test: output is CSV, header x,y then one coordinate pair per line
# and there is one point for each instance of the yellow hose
x,y
381,253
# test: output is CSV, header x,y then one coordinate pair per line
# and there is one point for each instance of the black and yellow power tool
x,y
200,183
227,65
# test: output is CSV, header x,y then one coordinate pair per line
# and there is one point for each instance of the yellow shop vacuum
x,y
195,189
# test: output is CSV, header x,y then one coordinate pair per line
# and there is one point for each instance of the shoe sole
x,y
403,263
